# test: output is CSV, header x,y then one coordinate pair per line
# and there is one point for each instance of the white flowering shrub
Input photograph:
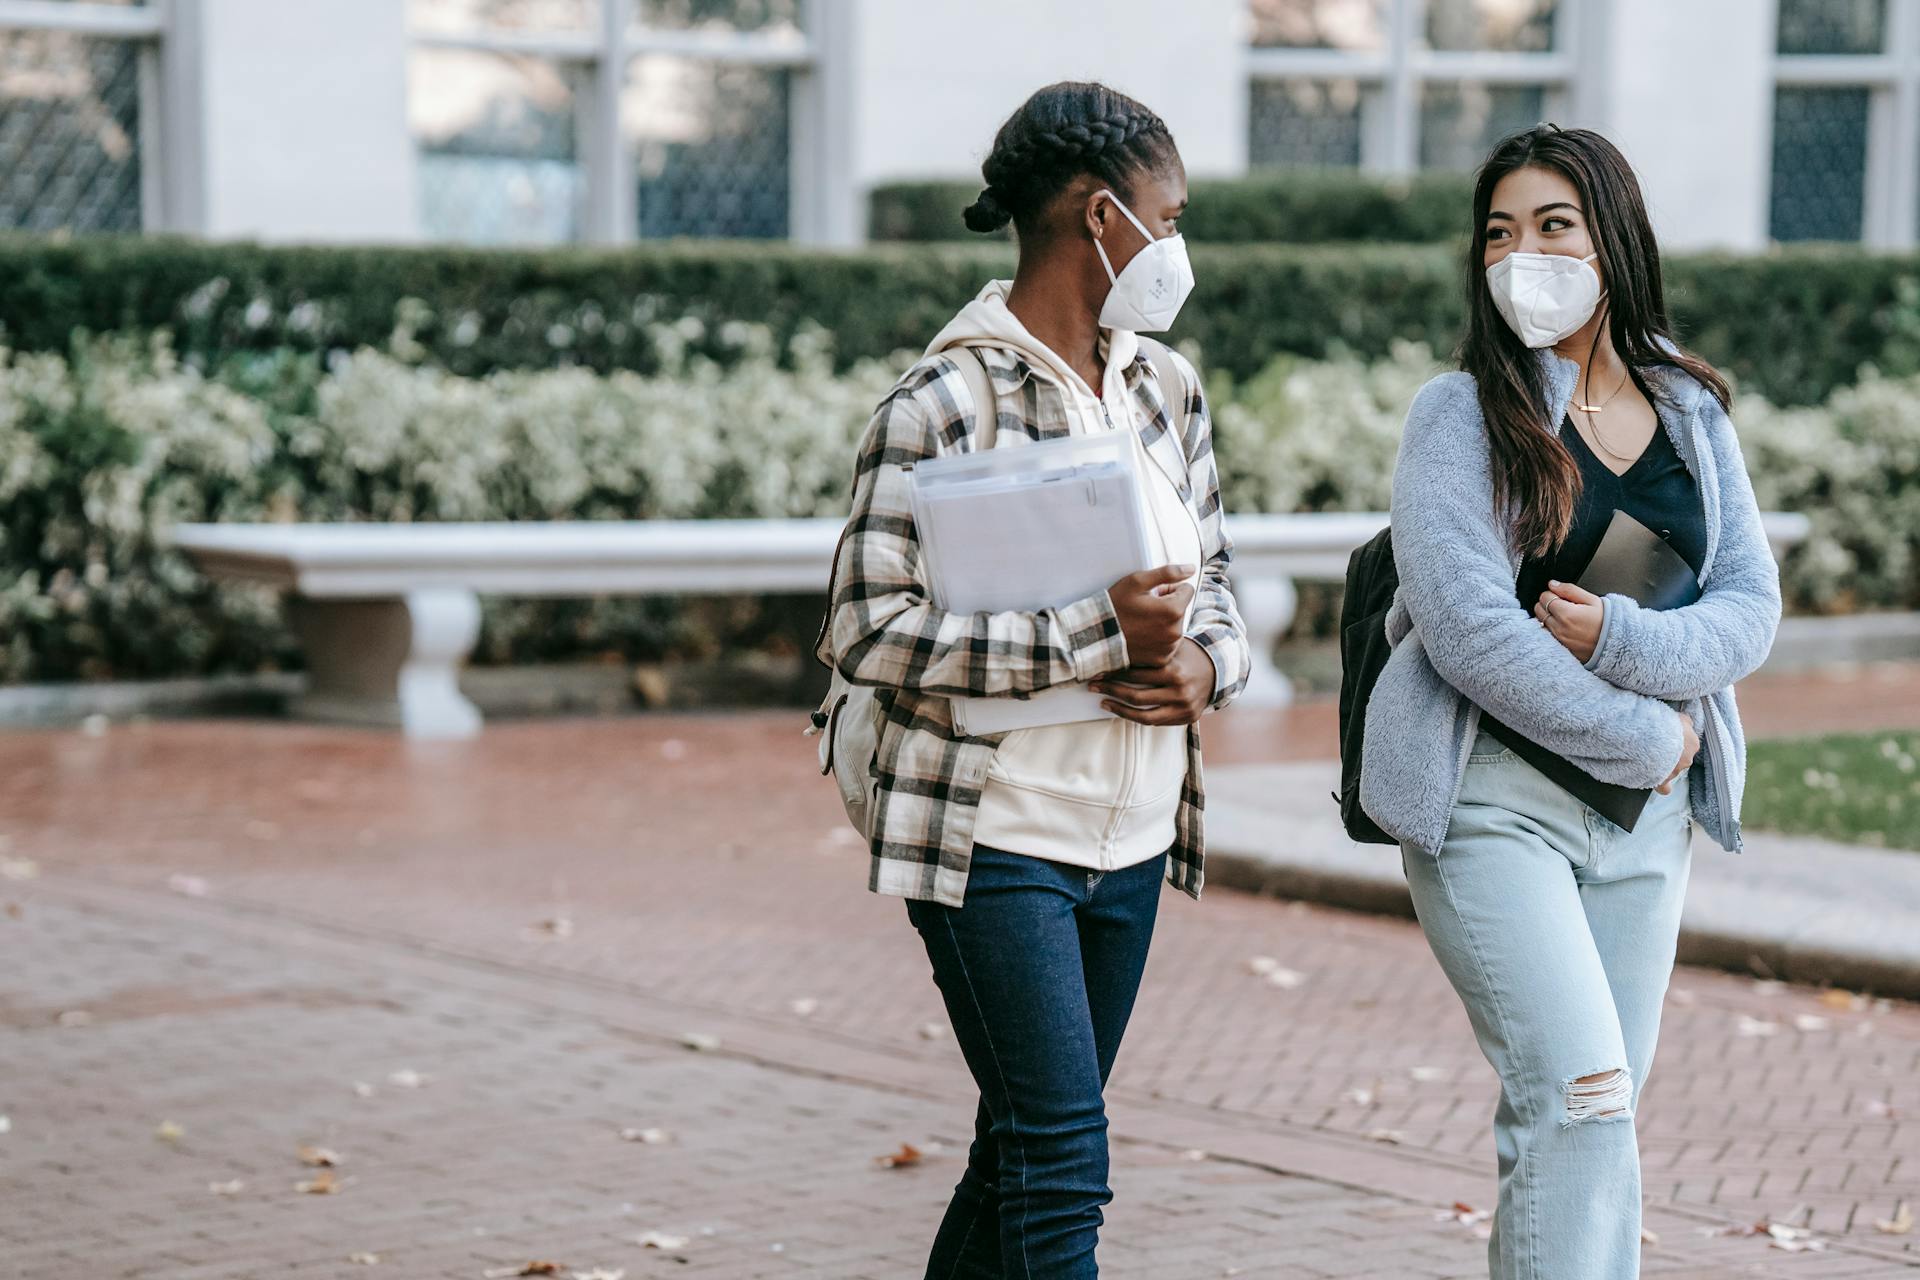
x,y
100,452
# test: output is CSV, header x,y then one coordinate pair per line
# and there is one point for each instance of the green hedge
x,y
1311,206
1790,325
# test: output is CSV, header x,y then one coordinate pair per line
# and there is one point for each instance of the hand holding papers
x,y
1030,527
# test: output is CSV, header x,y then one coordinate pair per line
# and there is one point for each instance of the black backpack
x,y
1371,582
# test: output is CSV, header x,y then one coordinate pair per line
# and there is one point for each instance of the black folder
x,y
1634,561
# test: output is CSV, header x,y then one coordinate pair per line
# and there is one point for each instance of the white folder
x,y
1030,527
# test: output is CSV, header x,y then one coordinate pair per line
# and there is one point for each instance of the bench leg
x,y
390,662
1267,606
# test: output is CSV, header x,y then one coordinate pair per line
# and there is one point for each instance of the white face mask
x,y
1147,294
1544,296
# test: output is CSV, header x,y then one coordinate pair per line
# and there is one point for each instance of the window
x,y
1846,121
78,133
546,121
1395,85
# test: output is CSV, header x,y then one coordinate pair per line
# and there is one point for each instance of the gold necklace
x,y
1593,413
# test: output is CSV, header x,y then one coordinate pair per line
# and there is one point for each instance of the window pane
x,y
1319,24
504,15
767,17
498,157
1832,26
69,132
1511,26
1819,163
1312,123
1459,123
710,143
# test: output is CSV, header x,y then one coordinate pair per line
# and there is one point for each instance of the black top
x,y
1657,490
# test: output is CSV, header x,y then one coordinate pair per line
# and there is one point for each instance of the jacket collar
x,y
1673,386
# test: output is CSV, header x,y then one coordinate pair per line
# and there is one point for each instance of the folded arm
x,y
885,629
1456,581
1723,636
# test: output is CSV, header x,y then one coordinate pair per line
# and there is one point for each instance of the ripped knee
x,y
1604,1095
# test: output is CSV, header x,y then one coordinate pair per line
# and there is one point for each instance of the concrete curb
x,y
1788,907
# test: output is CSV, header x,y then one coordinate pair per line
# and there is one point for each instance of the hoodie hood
x,y
986,322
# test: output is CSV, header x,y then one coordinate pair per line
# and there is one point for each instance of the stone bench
x,y
387,613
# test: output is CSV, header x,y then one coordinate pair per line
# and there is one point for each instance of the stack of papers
x,y
1030,527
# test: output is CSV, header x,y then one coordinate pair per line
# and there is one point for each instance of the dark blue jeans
x,y
1039,971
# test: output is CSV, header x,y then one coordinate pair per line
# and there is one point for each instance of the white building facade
x,y
620,121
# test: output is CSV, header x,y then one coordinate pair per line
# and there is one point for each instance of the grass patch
x,y
1863,788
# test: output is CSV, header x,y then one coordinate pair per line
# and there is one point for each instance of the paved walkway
x,y
251,918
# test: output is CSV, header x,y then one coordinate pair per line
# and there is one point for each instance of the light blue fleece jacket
x,y
1461,642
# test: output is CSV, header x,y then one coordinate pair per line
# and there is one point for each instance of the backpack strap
x,y
1171,384
973,371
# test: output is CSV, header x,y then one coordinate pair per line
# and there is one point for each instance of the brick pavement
x,y
709,905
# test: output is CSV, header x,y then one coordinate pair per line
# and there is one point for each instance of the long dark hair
x,y
1534,476
1061,132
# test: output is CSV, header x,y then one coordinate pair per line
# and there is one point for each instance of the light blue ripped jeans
x,y
1557,928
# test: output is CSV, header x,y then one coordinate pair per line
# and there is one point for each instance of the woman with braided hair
x,y
1032,860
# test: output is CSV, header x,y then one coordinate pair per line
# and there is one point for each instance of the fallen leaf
x,y
1393,1136
932,1030
651,1137
699,1041
557,927
232,1188
1835,998
1427,1075
1768,986
804,1007
75,1018
1755,1027
19,868
13,911
320,1184
1649,1236
6,1124
191,886
1286,979
1261,966
1900,1224
1881,1109
365,1259
906,1156
320,1157
1810,1022
408,1078
169,1131
527,1269
1194,1154
662,1241
362,1088
1463,1213
601,1273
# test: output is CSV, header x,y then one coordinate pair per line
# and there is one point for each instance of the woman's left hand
x,y
1176,692
1572,614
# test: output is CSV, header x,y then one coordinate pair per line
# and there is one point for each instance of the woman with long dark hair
x,y
1556,924
1032,859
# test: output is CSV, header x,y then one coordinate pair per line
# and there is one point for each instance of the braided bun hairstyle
x,y
1061,132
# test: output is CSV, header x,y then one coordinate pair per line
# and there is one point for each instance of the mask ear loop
x,y
1112,277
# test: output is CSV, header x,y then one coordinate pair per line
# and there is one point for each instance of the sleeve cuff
x,y
1609,615
1095,644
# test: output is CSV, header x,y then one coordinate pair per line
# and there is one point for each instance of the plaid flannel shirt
x,y
884,630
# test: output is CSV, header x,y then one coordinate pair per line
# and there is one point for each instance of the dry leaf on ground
x,y
320,1157
1810,1022
1835,998
804,1007
650,1137
1393,1136
1649,1236
18,869
408,1078
364,1259
932,1030
907,1155
699,1041
661,1240
1755,1027
525,1269
1427,1075
362,1088
6,1124
13,911
1359,1097
1900,1224
233,1187
602,1273
320,1184
168,1131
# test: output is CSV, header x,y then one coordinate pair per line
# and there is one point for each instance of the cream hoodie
x,y
1100,794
